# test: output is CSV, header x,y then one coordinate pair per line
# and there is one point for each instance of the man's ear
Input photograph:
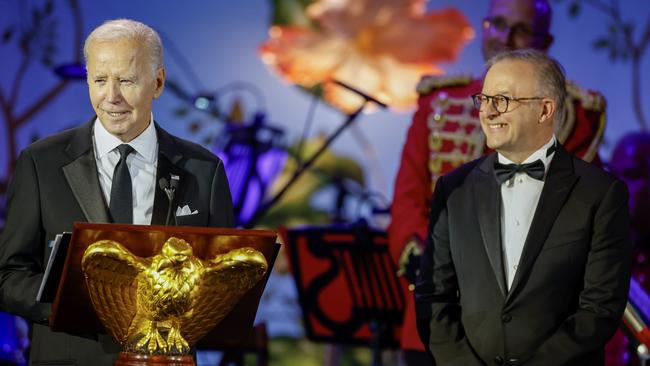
x,y
549,109
161,74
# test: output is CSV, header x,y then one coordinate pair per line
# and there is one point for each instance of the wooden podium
x,y
72,310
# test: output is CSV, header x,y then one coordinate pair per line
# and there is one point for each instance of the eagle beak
x,y
179,258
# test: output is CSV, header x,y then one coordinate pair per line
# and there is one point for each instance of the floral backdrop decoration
x,y
381,47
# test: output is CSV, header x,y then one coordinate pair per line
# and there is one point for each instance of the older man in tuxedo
x,y
107,170
445,133
527,259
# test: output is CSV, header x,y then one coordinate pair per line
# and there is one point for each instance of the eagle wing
x,y
110,271
227,277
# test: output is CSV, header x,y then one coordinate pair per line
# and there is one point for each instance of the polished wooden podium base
x,y
135,359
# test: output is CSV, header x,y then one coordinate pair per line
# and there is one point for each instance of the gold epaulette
x,y
431,82
590,100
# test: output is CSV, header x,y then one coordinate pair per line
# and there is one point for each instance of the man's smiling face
x,y
122,86
517,132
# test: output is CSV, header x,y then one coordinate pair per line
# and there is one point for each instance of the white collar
x,y
144,144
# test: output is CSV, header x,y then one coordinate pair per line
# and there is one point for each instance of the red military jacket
x,y
446,133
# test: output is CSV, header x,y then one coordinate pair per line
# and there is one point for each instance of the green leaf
x,y
317,89
290,12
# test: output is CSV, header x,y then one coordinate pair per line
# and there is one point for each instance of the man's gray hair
x,y
127,29
550,75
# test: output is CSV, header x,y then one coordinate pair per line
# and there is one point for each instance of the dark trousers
x,y
417,358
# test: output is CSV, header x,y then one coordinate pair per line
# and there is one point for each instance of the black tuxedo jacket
x,y
55,184
570,289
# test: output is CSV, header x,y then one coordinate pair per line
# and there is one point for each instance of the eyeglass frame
x,y
478,103
519,29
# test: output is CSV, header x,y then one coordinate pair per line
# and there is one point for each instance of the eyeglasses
x,y
518,30
499,102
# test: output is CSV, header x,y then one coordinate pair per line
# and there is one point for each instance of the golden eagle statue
x,y
165,303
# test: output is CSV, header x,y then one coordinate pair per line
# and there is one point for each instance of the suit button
x,y
498,360
506,318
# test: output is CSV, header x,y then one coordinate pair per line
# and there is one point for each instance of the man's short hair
x,y
550,75
121,29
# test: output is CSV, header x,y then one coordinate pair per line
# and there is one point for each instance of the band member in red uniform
x,y
445,133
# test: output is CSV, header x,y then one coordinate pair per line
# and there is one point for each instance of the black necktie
x,y
535,170
121,205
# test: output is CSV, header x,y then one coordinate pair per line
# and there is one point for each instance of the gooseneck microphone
x,y
170,188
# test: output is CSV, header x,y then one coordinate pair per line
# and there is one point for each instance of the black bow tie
x,y
535,170
504,172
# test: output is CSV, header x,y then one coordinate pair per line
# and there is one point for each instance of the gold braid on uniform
x,y
439,117
590,101
428,83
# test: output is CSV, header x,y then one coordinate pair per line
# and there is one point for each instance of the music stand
x,y
347,286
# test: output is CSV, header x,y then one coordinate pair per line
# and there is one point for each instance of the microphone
x,y
175,179
170,188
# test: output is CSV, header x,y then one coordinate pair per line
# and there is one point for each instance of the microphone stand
x,y
169,187
266,206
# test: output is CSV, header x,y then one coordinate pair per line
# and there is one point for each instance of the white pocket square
x,y
185,211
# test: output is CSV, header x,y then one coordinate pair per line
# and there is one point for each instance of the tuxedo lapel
x,y
488,197
168,157
81,174
559,182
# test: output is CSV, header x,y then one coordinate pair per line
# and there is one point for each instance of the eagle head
x,y
174,253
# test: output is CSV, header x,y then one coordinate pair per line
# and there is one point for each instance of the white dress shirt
x,y
142,165
519,197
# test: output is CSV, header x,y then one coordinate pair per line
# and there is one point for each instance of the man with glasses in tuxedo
x,y
527,258
445,133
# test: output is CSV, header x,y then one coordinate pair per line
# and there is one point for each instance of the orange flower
x,y
381,47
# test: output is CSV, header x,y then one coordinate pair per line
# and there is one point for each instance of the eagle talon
x,y
152,341
175,341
